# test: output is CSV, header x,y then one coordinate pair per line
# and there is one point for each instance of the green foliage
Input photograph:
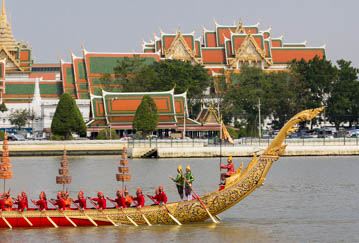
x,y
314,80
233,132
106,134
59,138
183,75
343,103
3,108
19,118
2,135
146,117
67,118
137,75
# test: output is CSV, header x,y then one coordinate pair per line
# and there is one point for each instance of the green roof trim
x,y
105,65
28,89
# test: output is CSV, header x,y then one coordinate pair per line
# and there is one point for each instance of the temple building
x,y
117,110
227,47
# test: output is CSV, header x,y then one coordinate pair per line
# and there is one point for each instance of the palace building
x,y
25,84
228,47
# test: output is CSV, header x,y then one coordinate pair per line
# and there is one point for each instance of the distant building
x,y
228,47
117,111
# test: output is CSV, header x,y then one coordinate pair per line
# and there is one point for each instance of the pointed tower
x,y
5,165
64,174
6,37
124,171
37,126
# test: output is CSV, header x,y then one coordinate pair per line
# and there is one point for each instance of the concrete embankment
x,y
245,151
52,148
57,148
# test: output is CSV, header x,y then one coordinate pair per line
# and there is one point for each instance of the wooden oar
x,y
88,217
49,219
6,222
168,211
144,217
128,217
107,217
172,217
201,202
22,214
26,219
47,216
66,217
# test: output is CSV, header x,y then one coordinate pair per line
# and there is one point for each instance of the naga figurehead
x,y
277,147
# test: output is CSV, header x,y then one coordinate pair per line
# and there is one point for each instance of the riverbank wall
x,y
163,150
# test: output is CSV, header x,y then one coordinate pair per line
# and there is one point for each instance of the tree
x,y
184,76
138,75
19,118
3,108
241,101
343,103
67,118
314,81
146,116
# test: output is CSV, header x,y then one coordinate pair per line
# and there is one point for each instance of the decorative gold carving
x,y
180,50
248,52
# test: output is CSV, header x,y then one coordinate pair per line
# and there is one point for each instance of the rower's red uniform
x,y
160,196
21,203
25,200
8,202
2,203
60,203
229,166
81,200
139,199
42,204
101,201
120,200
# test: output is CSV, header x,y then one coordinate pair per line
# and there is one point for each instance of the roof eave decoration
x,y
248,58
11,57
174,53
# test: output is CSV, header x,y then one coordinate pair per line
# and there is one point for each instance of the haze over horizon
x,y
55,28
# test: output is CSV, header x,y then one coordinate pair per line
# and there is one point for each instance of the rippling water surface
x,y
304,199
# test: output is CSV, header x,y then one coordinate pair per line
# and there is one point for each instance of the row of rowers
x,y
64,201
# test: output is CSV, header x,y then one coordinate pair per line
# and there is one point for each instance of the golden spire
x,y
6,37
3,10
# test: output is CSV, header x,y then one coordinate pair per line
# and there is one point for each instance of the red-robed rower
x,y
81,200
8,201
139,199
160,197
128,198
42,202
21,203
120,200
100,200
230,168
26,201
59,202
2,202
68,200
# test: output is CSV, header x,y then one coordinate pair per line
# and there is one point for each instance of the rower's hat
x,y
179,168
188,167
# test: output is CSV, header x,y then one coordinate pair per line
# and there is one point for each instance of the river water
x,y
304,199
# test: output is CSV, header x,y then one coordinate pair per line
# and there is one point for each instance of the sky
x,y
55,28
